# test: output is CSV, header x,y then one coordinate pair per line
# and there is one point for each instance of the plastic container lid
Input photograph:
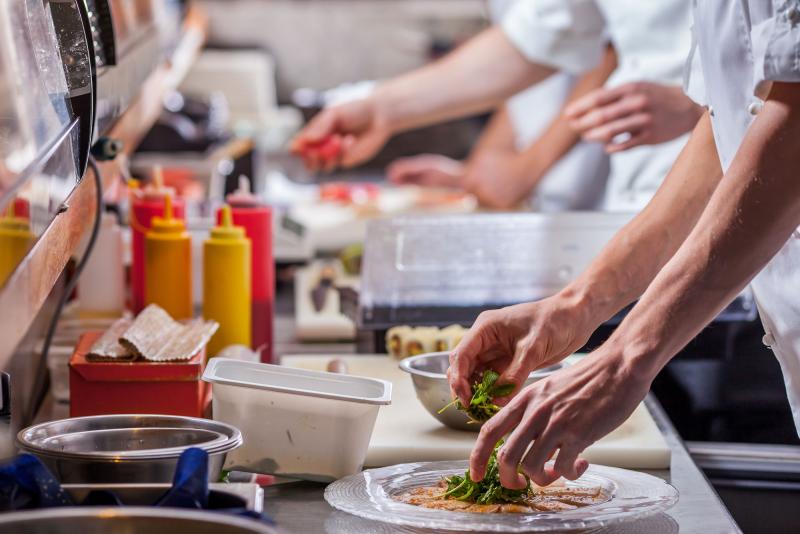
x,y
303,382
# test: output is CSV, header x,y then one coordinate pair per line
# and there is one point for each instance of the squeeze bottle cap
x,y
167,223
156,190
225,229
243,196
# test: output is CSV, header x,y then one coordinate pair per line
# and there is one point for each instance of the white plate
x,y
633,496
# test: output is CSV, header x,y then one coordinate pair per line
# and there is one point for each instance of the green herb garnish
x,y
481,407
487,491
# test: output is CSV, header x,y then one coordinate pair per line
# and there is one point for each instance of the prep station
x,y
201,334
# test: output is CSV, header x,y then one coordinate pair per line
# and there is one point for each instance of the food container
x,y
429,374
133,519
296,423
169,388
126,448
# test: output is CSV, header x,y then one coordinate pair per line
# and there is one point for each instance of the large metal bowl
x,y
126,448
128,520
429,374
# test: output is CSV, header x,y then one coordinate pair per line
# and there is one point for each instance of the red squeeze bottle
x,y
147,203
256,219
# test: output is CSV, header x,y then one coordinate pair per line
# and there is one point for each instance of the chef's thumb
x,y
516,373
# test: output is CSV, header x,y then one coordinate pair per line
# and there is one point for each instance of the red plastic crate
x,y
165,388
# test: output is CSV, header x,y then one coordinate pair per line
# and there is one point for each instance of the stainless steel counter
x,y
299,507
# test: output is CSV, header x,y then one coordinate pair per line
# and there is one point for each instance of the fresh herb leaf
x,y
481,407
487,491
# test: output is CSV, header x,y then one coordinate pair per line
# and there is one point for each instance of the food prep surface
x,y
299,507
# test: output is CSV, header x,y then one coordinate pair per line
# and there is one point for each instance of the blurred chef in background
x,y
637,118
727,213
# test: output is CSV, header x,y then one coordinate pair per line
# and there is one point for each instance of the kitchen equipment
x,y
101,289
226,284
405,431
296,423
429,375
126,448
252,495
444,269
147,203
121,387
168,265
370,494
256,219
328,322
131,519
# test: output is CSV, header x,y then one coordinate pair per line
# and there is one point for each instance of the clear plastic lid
x,y
438,270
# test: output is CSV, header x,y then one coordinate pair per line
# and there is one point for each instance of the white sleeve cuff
x,y
568,35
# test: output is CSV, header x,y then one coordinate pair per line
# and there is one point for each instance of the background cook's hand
x,y
498,178
648,112
429,170
517,340
342,135
565,412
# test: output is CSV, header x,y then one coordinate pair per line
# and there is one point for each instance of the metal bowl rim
x,y
106,512
406,364
234,440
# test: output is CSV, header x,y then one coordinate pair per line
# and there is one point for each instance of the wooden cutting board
x,y
406,432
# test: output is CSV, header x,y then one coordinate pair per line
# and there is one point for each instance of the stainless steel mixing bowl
x,y
429,374
126,448
128,520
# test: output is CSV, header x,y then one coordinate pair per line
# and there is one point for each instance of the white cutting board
x,y
406,432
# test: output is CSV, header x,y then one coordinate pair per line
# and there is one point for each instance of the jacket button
x,y
768,340
755,107
793,15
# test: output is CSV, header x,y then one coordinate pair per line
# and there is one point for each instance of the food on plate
x,y
349,193
481,407
421,340
461,494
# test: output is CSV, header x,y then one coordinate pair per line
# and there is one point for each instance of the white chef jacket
x,y
578,180
652,39
742,46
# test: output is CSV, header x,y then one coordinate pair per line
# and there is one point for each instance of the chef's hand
x,y
499,179
565,412
517,340
343,135
643,113
428,170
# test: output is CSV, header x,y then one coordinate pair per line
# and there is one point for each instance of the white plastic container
x,y
296,423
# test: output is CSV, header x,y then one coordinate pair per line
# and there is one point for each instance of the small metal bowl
x,y
126,448
429,375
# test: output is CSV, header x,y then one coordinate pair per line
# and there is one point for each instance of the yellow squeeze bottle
x,y
226,284
168,264
15,241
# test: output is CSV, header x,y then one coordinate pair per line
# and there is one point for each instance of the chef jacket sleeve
x,y
776,47
693,82
569,35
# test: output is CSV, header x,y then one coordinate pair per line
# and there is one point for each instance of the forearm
x,y
474,78
749,218
497,135
559,137
631,260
